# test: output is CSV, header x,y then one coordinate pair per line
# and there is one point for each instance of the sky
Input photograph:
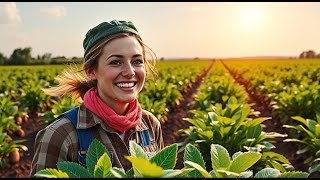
x,y
170,29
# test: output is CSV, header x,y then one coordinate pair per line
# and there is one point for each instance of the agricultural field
x,y
269,106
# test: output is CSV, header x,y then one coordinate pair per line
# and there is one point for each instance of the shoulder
x,y
148,116
61,124
61,127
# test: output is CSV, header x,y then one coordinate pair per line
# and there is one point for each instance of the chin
x,y
128,99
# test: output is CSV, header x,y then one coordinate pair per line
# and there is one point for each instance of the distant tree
x,y
311,54
318,55
46,56
20,56
3,59
307,54
303,55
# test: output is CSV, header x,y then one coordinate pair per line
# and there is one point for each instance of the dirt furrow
x,y
262,104
177,113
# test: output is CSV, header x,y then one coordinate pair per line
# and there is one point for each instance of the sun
x,y
251,15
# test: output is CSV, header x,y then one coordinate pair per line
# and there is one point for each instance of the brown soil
x,y
22,168
176,114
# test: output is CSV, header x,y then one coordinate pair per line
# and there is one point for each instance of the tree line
x,y
309,54
22,56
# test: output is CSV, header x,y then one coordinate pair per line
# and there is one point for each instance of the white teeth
x,y
125,85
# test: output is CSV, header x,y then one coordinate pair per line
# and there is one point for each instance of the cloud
x,y
9,14
55,11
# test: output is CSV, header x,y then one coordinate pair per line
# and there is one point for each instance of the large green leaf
x,y
95,151
244,161
225,121
191,153
275,156
103,166
203,172
74,170
220,157
300,119
206,134
257,121
143,168
267,173
136,150
317,131
309,133
277,165
197,123
311,124
227,174
51,173
253,132
166,157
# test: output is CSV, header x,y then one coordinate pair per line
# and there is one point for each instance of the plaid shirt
x,y
59,142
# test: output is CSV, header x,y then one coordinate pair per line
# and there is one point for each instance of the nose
x,y
128,71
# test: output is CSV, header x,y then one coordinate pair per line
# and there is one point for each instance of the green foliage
x,y
58,107
99,165
161,164
225,166
234,128
310,136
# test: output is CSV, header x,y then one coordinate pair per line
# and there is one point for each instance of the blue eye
x,y
115,62
138,61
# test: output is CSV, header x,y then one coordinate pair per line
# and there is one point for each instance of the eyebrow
x,y
120,56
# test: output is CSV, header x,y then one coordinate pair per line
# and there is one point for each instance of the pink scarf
x,y
118,122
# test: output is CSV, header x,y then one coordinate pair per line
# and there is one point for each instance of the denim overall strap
x,y
84,135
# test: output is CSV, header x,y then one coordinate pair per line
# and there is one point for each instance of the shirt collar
x,y
87,119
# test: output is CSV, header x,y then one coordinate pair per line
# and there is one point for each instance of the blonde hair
x,y
75,82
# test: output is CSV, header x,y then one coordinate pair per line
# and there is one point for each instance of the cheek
x,y
107,75
141,74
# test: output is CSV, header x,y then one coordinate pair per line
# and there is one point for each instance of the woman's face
x,y
121,71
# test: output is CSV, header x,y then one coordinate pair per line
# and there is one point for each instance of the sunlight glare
x,y
251,15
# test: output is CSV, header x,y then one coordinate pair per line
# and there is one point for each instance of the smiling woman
x,y
115,67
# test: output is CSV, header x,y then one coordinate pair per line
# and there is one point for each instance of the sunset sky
x,y
170,29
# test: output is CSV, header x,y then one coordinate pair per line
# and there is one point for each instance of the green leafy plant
x,y
161,164
234,128
59,106
225,166
99,165
310,137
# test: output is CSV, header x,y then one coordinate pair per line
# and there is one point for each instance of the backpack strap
x,y
144,136
84,135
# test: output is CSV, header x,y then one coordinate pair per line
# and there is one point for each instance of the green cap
x,y
105,29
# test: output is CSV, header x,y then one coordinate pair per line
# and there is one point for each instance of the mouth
x,y
126,84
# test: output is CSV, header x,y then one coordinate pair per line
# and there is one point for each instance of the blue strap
x,y
84,135
145,138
